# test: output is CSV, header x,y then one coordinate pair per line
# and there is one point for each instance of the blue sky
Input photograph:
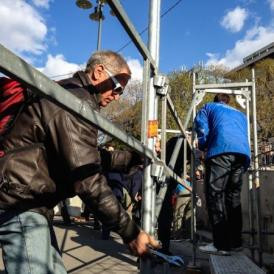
x,y
57,37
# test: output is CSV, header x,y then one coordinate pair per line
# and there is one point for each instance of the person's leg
x,y
217,174
105,233
182,216
64,212
165,220
86,212
233,202
26,245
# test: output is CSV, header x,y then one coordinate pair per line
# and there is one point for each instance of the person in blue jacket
x,y
222,135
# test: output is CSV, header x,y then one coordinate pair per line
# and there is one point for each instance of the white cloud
x,y
41,3
234,19
271,3
23,30
254,39
136,69
58,68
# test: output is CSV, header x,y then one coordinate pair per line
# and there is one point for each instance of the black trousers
x,y
223,185
165,218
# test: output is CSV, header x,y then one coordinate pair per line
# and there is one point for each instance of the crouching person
x,y
51,154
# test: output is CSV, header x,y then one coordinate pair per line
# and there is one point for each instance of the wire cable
x,y
129,42
145,29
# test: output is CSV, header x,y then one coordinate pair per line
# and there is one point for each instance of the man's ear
x,y
98,72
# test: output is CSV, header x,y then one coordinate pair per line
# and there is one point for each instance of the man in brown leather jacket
x,y
51,154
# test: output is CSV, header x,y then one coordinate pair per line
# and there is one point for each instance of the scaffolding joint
x,y
158,171
161,84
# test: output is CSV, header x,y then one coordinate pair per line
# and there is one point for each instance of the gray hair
x,y
112,60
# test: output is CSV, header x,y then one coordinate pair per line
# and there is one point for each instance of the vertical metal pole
x,y
179,142
185,158
256,169
154,45
193,198
99,36
249,189
146,75
163,128
194,92
148,205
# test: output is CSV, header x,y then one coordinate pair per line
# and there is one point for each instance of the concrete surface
x,y
84,252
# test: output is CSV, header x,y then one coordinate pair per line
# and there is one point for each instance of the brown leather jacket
x,y
51,154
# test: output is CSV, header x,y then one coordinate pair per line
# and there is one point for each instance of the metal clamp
x,y
199,96
158,171
241,98
161,83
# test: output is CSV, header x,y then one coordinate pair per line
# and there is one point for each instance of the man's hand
x,y
139,246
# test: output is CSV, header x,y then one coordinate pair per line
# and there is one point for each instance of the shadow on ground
x,y
83,236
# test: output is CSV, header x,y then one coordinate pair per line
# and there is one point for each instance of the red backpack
x,y
13,97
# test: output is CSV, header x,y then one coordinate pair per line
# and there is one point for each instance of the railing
x,y
16,68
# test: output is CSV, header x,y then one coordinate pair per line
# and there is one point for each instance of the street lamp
x,y
84,4
97,15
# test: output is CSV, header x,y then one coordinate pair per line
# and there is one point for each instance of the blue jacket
x,y
222,129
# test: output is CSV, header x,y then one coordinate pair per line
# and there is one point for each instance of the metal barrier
x,y
16,68
244,92
154,86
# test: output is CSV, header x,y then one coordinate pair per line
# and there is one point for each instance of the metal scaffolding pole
x,y
256,170
146,75
148,205
193,194
249,188
163,128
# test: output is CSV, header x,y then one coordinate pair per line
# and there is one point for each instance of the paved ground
x,y
85,253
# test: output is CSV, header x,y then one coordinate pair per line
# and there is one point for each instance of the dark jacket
x,y
51,154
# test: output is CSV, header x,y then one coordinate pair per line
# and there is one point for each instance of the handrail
x,y
16,68
130,29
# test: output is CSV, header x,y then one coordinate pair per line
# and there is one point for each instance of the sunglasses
x,y
118,88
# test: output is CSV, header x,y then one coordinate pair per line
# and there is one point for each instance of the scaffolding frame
x,y
16,68
156,169
245,93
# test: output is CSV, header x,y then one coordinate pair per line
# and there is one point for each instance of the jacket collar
x,y
82,76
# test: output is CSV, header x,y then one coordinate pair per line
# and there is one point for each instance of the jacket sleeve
x,y
202,128
118,160
76,142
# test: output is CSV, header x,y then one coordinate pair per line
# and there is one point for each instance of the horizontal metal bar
x,y
176,131
178,179
226,91
130,29
177,120
17,68
225,85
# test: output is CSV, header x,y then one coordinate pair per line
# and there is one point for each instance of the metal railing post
x,y
149,188
146,75
249,188
256,169
193,196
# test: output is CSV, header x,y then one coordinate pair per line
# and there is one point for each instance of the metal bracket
x,y
161,83
241,98
199,96
158,171
241,101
